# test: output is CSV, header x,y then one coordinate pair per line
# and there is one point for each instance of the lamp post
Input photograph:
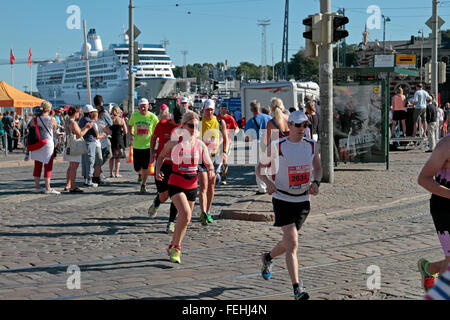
x,y
421,58
385,19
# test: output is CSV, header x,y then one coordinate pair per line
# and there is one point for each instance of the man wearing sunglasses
x,y
295,162
214,135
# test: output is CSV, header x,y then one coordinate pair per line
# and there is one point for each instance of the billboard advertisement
x,y
358,129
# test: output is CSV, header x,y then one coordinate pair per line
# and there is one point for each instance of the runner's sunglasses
x,y
300,125
191,125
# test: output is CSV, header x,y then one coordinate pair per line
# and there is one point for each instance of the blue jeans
x,y
88,160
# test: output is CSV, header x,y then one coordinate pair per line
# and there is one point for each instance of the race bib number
x,y
298,175
142,130
212,145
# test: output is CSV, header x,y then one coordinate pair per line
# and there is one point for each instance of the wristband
x,y
211,169
317,182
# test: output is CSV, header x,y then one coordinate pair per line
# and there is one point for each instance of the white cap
x,y
298,117
209,104
88,108
184,100
143,101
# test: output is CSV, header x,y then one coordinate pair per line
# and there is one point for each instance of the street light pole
x,y
421,58
385,19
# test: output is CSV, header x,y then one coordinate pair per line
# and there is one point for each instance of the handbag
x,y
76,147
34,141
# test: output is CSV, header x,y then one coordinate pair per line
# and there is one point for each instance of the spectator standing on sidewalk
x,y
8,126
72,129
420,107
295,162
399,109
44,156
88,160
440,121
431,118
435,178
103,151
254,130
118,131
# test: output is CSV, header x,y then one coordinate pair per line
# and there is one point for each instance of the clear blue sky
x,y
215,30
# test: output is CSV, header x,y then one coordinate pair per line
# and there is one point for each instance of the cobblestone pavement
x,y
368,217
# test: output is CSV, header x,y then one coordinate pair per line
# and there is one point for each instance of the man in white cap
x,y
214,134
295,162
88,160
185,105
141,126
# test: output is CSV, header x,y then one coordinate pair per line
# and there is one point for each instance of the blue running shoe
x,y
266,270
301,294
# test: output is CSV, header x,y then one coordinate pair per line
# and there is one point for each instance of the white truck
x,y
292,93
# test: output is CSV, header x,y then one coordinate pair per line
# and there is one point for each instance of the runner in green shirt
x,y
141,126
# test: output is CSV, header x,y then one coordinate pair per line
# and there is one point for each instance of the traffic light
x,y
312,34
215,85
337,32
442,72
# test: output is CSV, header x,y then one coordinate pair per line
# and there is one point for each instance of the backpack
x,y
34,141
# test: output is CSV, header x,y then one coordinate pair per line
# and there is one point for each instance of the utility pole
x,y
131,79
86,57
184,53
284,54
421,58
326,96
434,51
264,23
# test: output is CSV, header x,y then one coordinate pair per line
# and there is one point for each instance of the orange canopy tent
x,y
12,97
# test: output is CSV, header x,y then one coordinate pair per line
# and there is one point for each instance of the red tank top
x,y
185,166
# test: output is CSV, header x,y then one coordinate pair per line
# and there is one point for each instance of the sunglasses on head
x,y
300,125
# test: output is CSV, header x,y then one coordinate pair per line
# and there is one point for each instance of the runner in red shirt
x,y
232,129
162,134
187,153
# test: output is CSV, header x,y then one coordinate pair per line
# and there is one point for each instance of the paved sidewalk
x,y
357,186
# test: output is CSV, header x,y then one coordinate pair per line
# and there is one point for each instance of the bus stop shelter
x,y
362,100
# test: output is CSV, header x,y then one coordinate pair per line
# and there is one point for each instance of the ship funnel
x,y
94,40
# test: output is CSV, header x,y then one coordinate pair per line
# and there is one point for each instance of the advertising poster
x,y
358,123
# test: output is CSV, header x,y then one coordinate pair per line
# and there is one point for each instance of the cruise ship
x,y
63,81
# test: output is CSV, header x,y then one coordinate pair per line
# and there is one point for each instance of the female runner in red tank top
x,y
186,154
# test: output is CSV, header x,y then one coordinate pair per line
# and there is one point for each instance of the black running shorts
x,y
163,186
439,209
191,194
287,213
141,159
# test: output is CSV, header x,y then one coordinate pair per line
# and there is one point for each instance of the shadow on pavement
x,y
212,293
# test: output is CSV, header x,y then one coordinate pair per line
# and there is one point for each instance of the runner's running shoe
x,y
143,189
301,294
170,227
139,179
266,270
175,255
209,219
427,278
223,182
152,211
204,219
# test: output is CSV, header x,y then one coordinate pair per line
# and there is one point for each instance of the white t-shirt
x,y
294,169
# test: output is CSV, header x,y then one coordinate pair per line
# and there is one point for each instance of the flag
x,y
29,57
12,59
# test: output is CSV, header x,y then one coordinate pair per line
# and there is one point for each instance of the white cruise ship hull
x,y
155,88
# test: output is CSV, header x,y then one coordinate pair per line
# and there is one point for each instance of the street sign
x,y
384,60
134,69
429,23
406,61
137,32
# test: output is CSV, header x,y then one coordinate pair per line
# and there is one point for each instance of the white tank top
x,y
294,171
